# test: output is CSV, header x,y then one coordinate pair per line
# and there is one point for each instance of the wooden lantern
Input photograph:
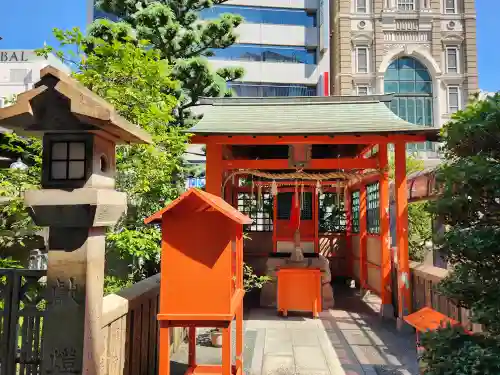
x,y
201,274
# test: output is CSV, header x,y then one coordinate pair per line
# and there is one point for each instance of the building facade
x,y
283,46
424,51
20,69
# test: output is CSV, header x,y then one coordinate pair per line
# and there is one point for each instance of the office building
x,y
282,45
424,51
20,69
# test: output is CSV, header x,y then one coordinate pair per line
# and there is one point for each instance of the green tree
x,y
469,205
419,218
137,81
18,233
174,28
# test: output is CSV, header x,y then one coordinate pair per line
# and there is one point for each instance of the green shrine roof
x,y
332,115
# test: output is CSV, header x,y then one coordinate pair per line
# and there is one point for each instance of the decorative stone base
x,y
270,289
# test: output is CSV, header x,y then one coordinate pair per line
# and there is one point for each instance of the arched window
x,y
412,84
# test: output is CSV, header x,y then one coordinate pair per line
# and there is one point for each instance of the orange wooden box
x,y
423,320
201,258
299,289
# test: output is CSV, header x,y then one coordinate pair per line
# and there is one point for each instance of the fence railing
x,y
129,326
424,279
130,330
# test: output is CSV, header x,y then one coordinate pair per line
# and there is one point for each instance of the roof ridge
x,y
296,100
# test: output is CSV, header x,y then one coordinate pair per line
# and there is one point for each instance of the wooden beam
x,y
365,150
268,164
310,139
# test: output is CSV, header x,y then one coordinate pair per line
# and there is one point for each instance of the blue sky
x,y
27,24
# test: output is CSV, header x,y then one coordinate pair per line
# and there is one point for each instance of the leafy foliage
x,y
470,206
137,81
173,28
419,218
17,228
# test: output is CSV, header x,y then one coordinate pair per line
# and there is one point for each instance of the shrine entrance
x,y
312,173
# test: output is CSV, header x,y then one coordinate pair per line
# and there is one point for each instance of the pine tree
x,y
174,28
469,204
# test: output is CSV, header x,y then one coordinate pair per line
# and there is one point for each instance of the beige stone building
x,y
424,51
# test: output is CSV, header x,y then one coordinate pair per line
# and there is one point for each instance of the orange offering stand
x,y
299,289
427,319
201,275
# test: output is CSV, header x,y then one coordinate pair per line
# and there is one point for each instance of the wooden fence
x,y
424,279
129,326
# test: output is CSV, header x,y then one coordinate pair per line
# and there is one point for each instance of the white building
x,y
283,46
20,69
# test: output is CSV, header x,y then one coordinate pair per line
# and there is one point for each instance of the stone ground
x,y
350,339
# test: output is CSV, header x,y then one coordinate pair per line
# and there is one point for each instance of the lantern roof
x,y
199,201
59,103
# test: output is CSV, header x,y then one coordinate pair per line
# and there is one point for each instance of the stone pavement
x,y
350,339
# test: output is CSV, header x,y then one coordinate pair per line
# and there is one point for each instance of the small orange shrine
x,y
268,155
201,275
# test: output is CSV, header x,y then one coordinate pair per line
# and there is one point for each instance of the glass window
x,y
255,52
260,90
452,60
450,6
373,208
274,16
406,5
362,90
412,84
453,99
355,211
262,214
361,6
332,215
67,161
362,60
306,206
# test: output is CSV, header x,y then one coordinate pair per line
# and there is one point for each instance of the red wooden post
x,y
164,349
192,347
348,232
385,256
404,299
214,169
315,197
363,238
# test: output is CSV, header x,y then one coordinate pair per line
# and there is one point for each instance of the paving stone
x,y
302,337
357,337
368,355
301,371
310,357
278,365
278,341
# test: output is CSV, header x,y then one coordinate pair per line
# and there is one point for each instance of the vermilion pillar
x,y
214,169
404,296
348,233
363,238
385,256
